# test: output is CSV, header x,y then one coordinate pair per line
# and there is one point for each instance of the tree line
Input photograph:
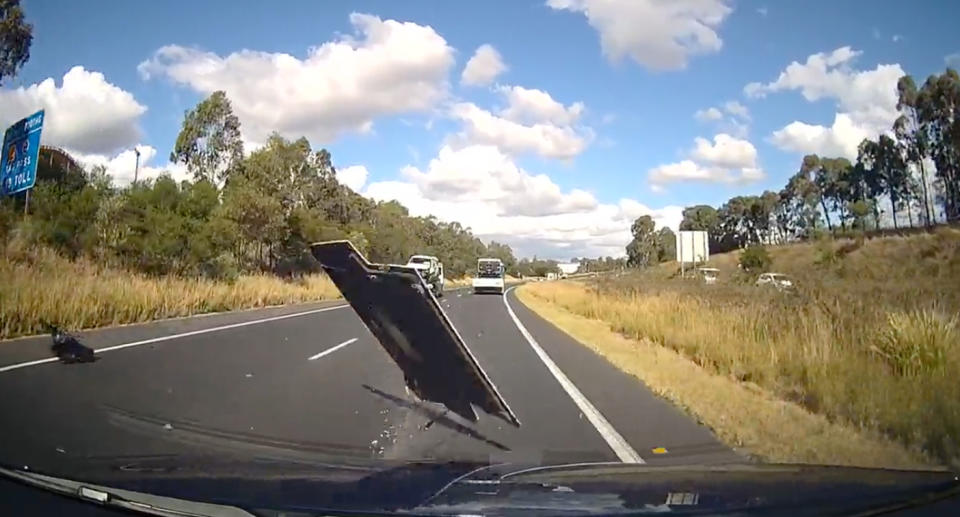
x,y
911,172
254,213
600,264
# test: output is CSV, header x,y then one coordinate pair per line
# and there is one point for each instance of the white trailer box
x,y
693,247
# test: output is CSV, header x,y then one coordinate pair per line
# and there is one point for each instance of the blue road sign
x,y
21,147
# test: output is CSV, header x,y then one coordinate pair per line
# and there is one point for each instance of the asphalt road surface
x,y
311,380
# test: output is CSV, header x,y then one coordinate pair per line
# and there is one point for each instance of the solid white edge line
x,y
331,350
620,447
177,336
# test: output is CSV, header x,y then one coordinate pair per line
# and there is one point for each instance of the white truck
x,y
490,272
431,269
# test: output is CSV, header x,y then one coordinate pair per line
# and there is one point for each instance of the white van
x,y
490,272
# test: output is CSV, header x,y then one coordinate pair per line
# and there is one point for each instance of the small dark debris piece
x,y
68,348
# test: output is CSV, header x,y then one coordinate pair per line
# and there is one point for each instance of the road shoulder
x,y
742,416
657,430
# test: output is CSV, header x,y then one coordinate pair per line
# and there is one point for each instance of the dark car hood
x,y
436,488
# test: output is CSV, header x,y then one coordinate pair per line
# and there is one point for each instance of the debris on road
x,y
412,328
67,347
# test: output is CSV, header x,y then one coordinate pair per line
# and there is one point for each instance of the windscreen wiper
x,y
396,305
129,500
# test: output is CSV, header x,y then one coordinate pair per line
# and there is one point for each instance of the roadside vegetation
x,y
42,286
748,418
869,336
87,251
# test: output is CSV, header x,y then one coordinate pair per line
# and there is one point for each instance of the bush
x,y
824,254
917,342
755,259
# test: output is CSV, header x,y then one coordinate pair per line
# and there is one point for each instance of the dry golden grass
x,y
741,414
76,295
870,339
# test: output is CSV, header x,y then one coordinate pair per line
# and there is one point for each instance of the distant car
x,y
709,274
778,280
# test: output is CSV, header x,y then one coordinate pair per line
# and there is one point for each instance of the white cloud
x,y
952,60
484,173
896,38
737,109
354,176
726,159
735,128
531,122
735,124
762,11
120,167
388,67
840,139
485,65
661,35
725,151
686,170
870,97
708,114
866,101
528,105
483,189
85,113
545,139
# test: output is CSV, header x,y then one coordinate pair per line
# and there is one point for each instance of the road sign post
x,y
693,247
21,149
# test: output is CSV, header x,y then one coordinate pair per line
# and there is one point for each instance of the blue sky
x,y
567,180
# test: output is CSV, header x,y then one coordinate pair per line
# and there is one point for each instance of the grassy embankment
x,y
40,285
859,366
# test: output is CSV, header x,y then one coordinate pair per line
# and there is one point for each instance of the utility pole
x,y
136,168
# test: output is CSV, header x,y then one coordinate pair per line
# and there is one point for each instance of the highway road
x,y
310,381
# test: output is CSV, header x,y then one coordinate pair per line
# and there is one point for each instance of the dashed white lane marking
x,y
177,336
610,435
331,350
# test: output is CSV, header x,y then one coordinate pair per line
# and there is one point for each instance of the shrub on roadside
x,y
755,259
918,342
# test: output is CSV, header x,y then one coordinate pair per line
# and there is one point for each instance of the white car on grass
x,y
778,280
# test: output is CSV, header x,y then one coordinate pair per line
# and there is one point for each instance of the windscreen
x,y
129,208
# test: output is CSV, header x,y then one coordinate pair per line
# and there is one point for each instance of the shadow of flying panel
x,y
400,311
